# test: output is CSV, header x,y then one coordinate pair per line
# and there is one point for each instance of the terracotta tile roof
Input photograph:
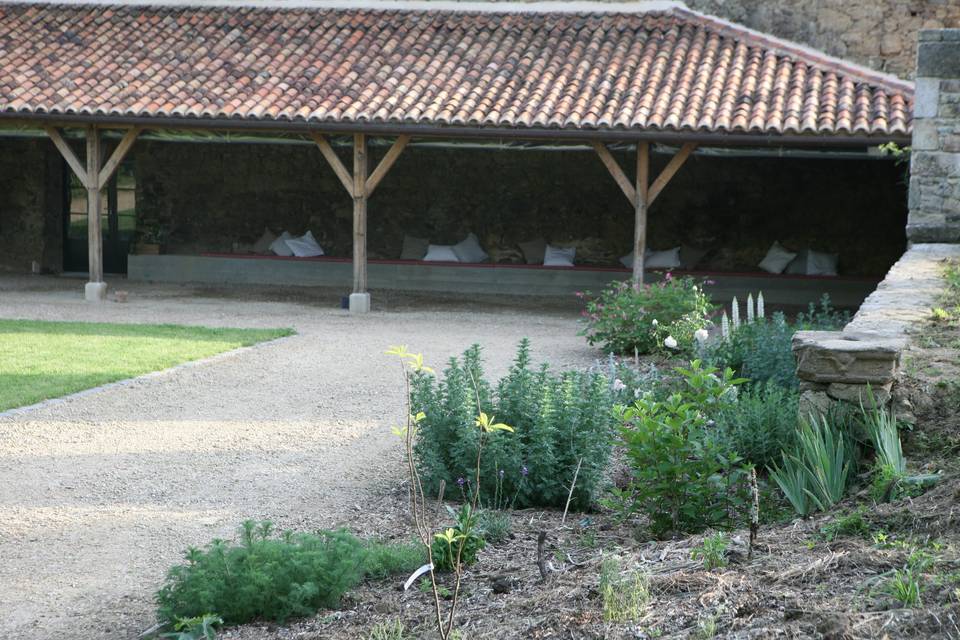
x,y
658,70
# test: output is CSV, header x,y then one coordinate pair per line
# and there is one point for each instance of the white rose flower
x,y
701,335
655,323
670,342
618,385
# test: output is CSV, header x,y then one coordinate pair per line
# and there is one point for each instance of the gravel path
x,y
100,493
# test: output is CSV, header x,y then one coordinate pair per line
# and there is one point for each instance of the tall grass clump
x,y
624,597
814,474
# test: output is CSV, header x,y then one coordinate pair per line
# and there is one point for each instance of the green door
x,y
118,221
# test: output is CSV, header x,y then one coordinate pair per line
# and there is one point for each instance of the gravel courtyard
x,y
101,492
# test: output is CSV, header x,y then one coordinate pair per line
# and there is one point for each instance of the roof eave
x,y
709,138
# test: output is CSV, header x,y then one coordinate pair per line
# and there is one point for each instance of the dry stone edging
x,y
840,366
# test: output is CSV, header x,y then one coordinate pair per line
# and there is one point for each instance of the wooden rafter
x,y
117,157
386,163
78,167
642,194
669,171
614,168
334,161
653,190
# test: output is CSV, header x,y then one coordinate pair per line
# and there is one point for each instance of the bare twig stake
x,y
443,485
754,512
541,561
570,495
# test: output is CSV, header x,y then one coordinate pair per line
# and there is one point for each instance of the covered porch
x,y
680,84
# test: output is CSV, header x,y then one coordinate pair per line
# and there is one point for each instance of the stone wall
x,y
935,161
31,199
210,196
839,365
879,33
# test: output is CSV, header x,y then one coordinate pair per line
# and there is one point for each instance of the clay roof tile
x,y
663,69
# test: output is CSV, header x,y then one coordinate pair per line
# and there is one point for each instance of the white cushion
x,y
263,244
777,259
822,264
559,256
440,253
669,259
279,246
469,250
814,263
305,246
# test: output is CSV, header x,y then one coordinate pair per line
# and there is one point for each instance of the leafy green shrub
x,y
814,475
273,578
465,538
759,350
628,380
761,424
199,628
624,318
852,524
822,317
683,479
557,421
713,551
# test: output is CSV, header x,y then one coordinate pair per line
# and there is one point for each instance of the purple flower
x,y
524,471
460,482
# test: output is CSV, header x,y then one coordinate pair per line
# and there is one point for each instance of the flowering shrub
x,y
684,479
560,421
663,317
760,351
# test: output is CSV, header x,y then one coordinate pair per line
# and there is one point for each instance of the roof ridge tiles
x,y
451,6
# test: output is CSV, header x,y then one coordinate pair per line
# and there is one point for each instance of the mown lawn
x,y
40,360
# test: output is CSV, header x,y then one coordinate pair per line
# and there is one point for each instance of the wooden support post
x,y
640,211
360,186
94,232
359,213
642,193
94,178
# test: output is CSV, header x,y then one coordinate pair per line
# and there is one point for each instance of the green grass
x,y
41,360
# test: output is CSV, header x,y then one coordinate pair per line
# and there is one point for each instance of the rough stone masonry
x,y
934,199
839,366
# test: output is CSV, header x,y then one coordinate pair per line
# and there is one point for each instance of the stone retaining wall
x,y
838,366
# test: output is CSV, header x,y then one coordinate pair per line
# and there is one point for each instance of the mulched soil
x,y
797,584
